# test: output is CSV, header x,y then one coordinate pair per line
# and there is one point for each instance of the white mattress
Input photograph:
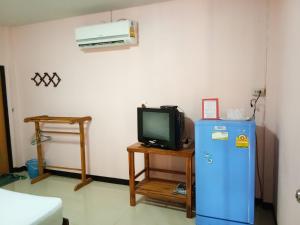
x,y
24,209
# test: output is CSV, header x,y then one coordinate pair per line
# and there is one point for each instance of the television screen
x,y
160,127
156,125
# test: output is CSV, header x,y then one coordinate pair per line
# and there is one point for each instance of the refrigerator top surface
x,y
250,123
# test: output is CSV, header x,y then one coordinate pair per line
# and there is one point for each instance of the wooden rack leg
x,y
42,175
84,181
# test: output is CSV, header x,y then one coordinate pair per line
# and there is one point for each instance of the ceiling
x,y
21,12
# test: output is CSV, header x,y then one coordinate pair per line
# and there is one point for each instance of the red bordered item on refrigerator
x,y
210,109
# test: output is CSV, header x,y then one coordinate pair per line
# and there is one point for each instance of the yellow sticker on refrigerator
x,y
242,141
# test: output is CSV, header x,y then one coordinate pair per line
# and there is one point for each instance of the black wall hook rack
x,y
46,79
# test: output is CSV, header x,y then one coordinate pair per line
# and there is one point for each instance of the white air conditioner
x,y
123,32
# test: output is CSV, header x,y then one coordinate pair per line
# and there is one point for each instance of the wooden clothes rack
x,y
60,120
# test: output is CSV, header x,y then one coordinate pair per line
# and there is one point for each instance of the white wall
x,y
188,50
283,107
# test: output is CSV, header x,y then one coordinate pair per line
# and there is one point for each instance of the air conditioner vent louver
x,y
108,43
108,34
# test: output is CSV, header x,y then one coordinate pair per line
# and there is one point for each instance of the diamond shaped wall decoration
x,y
46,79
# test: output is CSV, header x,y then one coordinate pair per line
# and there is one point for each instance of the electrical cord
x,y
257,168
253,103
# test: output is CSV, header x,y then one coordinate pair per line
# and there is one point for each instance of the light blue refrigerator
x,y
225,172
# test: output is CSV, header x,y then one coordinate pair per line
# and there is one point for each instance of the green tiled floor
x,y
108,204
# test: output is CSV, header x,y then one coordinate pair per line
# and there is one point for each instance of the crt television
x,y
160,127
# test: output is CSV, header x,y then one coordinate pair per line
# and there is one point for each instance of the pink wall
x,y
4,45
271,121
188,50
282,106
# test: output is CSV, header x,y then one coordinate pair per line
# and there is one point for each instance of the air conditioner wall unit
x,y
120,33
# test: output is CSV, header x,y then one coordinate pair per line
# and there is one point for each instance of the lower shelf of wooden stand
x,y
160,189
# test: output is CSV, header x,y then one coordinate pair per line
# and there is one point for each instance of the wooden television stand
x,y
160,188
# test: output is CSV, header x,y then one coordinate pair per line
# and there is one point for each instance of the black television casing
x,y
176,127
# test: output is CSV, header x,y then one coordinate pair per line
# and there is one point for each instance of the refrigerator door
x,y
225,170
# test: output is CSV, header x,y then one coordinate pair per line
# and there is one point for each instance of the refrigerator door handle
x,y
208,157
298,195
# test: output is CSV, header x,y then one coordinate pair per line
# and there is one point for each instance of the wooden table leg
x,y
147,162
131,178
189,187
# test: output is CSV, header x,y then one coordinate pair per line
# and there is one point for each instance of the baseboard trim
x,y
78,176
19,169
94,177
265,205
